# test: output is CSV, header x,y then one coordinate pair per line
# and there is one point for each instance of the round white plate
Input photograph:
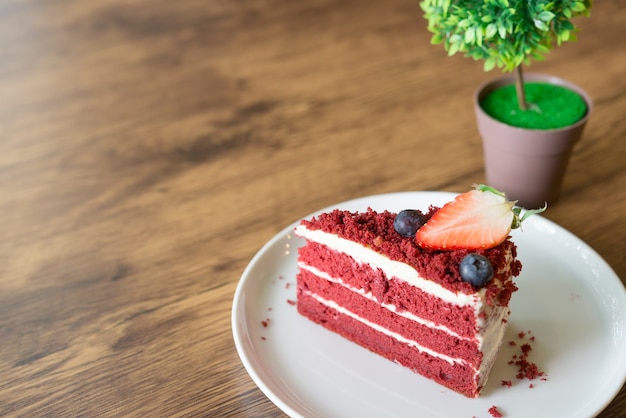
x,y
570,300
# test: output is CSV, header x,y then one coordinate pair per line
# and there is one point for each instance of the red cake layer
x,y
456,376
431,338
395,292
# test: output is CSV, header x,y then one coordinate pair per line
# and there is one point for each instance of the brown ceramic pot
x,y
527,164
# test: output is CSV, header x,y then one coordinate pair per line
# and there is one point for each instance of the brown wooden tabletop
x,y
148,149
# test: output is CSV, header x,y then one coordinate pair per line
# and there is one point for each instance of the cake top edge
x,y
376,231
464,245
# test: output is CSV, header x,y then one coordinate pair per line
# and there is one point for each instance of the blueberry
x,y
408,222
476,269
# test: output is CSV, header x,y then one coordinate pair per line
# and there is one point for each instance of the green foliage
x,y
503,33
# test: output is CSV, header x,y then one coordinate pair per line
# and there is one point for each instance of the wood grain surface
x,y
148,149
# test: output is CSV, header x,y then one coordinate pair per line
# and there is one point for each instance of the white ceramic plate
x,y
570,300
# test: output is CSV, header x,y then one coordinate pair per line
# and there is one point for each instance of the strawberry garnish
x,y
479,219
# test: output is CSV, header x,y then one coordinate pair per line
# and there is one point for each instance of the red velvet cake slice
x,y
411,303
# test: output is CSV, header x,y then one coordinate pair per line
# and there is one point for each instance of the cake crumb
x,y
263,338
291,302
512,343
265,323
525,368
506,383
287,285
495,413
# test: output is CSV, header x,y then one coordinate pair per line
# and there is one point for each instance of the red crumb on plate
x,y
495,413
291,302
506,383
525,368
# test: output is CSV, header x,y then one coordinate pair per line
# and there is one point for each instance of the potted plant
x,y
524,156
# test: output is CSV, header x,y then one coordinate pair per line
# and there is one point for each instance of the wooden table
x,y
148,149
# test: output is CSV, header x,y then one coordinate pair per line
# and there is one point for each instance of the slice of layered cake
x,y
429,291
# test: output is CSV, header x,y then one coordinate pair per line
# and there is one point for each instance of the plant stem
x,y
519,86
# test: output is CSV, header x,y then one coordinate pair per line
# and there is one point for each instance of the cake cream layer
x,y
456,375
403,271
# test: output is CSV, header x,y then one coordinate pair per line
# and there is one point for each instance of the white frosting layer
x,y
402,271
494,333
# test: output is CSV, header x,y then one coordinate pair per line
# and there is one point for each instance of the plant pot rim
x,y
491,84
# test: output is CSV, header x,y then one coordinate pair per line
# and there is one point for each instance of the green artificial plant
x,y
503,33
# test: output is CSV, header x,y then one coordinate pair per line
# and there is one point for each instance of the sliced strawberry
x,y
478,219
